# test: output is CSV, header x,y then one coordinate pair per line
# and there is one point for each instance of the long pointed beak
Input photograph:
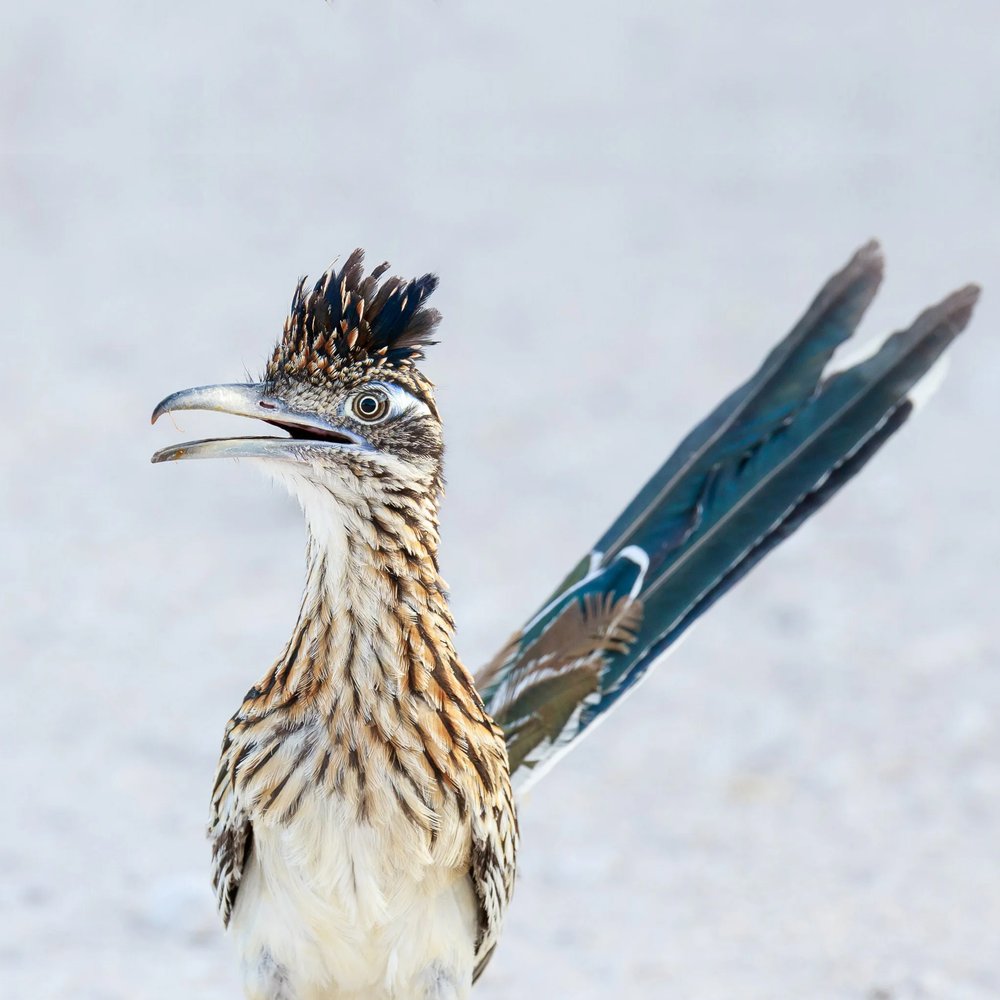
x,y
308,431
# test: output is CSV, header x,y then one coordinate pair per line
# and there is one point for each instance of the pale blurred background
x,y
627,203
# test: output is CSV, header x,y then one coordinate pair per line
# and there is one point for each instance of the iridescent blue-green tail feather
x,y
769,456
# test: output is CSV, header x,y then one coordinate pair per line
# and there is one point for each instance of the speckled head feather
x,y
352,323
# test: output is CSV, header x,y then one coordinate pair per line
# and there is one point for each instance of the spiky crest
x,y
349,319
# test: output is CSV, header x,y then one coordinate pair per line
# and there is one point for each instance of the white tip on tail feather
x,y
855,354
930,383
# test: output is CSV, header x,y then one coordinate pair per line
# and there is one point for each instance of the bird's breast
x,y
364,883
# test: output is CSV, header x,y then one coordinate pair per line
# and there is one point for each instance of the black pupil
x,y
369,405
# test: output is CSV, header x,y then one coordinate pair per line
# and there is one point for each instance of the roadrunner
x,y
363,828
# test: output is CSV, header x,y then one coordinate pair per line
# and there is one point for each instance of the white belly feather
x,y
334,909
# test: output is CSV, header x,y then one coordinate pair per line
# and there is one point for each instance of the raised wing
x,y
770,455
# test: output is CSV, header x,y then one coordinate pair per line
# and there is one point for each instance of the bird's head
x,y
358,417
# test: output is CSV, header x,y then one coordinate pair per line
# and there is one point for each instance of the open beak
x,y
307,432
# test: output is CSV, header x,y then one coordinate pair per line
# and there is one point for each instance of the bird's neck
x,y
374,623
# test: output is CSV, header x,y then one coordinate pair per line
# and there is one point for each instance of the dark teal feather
x,y
766,459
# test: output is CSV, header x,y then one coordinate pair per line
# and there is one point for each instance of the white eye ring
x,y
394,399
371,405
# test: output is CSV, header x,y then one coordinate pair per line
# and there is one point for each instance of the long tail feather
x,y
768,457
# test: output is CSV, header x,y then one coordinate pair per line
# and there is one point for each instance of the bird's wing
x,y
229,830
494,847
770,455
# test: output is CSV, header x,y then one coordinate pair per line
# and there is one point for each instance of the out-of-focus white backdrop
x,y
627,203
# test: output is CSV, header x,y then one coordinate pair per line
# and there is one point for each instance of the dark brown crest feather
x,y
350,318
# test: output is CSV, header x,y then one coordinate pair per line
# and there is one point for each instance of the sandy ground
x,y
627,203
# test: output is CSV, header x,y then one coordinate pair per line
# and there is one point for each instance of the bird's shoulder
x,y
260,772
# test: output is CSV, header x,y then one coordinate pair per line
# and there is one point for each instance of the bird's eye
x,y
370,405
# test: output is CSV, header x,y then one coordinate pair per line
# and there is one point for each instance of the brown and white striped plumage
x,y
363,828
